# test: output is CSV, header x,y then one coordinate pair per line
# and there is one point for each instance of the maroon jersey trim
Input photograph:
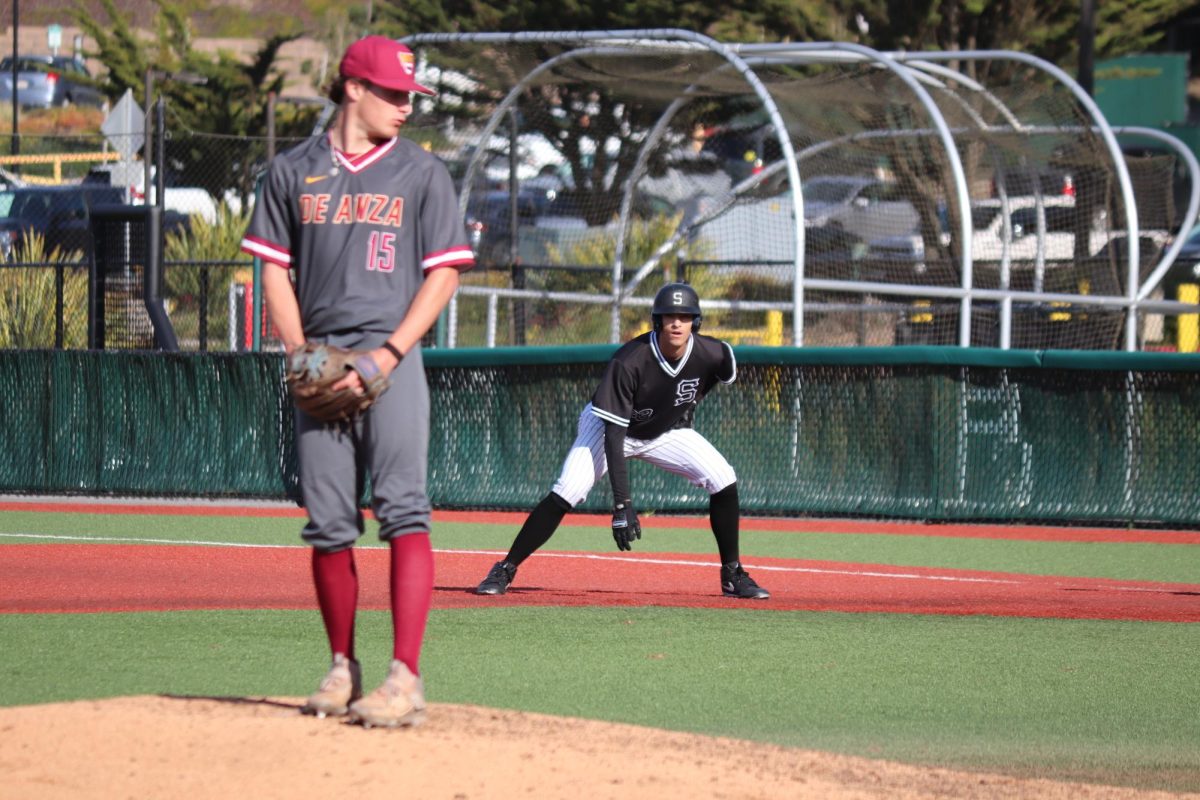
x,y
363,160
454,257
267,251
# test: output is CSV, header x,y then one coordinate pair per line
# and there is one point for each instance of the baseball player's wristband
x,y
391,348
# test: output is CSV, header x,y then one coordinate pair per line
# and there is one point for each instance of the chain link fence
x,y
45,203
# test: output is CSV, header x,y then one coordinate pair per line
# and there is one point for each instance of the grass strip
x,y
1097,701
1118,560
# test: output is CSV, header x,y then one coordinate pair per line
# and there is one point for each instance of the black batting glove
x,y
625,525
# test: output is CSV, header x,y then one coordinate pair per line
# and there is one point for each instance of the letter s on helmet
x,y
676,298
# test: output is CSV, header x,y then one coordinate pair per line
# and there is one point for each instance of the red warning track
x,y
112,578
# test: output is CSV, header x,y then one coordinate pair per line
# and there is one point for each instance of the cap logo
x,y
406,62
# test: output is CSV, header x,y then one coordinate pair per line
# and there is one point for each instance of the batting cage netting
x,y
977,201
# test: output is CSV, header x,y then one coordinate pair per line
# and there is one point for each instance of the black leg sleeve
x,y
724,513
541,524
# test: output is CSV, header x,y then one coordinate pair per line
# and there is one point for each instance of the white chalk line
x,y
674,562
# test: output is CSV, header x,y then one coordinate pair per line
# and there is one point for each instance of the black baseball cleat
x,y
735,582
498,579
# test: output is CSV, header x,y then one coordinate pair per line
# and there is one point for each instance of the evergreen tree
x,y
1047,28
219,95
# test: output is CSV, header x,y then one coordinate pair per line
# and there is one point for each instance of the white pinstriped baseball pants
x,y
681,451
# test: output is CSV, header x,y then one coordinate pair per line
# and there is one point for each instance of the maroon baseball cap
x,y
383,62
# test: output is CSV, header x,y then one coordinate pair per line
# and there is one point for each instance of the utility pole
x,y
16,108
1087,45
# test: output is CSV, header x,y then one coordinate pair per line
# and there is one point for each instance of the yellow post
x,y
1189,324
774,336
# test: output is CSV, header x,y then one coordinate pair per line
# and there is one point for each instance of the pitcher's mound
x,y
262,747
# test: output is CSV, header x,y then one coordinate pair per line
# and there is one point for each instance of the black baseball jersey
x,y
361,232
648,395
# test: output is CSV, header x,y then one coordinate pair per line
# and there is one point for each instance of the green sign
x,y
1145,90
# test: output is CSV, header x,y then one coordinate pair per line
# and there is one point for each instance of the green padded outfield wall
x,y
903,432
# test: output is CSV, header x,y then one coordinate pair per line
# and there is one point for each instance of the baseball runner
x,y
369,223
643,408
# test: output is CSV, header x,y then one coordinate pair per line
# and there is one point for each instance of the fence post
x,y
203,333
514,223
59,291
97,285
257,299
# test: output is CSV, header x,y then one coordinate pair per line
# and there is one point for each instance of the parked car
x,y
58,213
749,233
758,235
48,82
902,259
904,255
179,202
489,222
866,207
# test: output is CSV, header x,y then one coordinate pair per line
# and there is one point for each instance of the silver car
x,y
48,82
866,207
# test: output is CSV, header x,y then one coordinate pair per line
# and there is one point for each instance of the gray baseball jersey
x,y
361,233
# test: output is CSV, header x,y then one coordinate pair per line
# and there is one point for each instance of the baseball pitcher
x,y
369,224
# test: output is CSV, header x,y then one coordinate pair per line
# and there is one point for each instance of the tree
x,y
1048,28
745,20
208,96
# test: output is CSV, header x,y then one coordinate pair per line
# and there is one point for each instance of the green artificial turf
x,y
1097,701
1118,560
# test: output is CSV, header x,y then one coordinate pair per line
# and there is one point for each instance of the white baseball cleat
x,y
340,687
398,702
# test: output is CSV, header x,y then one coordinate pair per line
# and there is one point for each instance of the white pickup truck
x,y
1024,244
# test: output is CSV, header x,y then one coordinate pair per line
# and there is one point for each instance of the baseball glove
x,y
314,368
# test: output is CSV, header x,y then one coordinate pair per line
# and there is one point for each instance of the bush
x,y
645,237
28,297
199,258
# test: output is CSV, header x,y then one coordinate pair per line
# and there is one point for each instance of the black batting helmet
x,y
676,298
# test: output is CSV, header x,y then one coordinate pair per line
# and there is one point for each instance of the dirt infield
x,y
262,747
107,578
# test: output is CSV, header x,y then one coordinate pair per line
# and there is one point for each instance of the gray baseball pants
x,y
390,442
